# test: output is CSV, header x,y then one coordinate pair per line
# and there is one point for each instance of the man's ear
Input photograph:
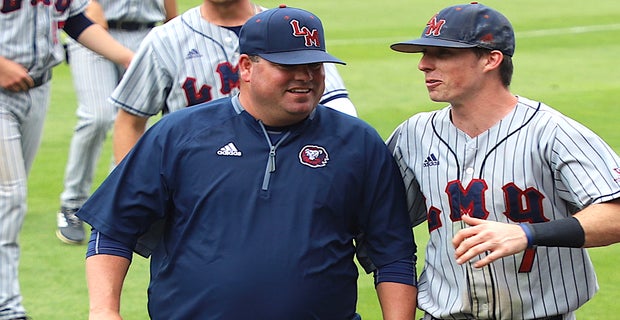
x,y
245,67
494,59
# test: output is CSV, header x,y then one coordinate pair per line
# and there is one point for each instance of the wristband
x,y
528,234
558,233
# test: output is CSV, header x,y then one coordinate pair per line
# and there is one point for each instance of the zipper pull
x,y
272,159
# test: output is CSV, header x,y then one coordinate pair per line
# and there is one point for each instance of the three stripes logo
x,y
431,161
229,150
193,54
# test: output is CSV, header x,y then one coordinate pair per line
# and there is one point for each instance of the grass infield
x,y
566,56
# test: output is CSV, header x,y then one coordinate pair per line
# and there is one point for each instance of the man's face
x,y
451,75
284,94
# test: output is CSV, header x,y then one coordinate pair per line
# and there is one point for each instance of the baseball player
x,y
94,79
261,195
30,47
515,186
190,60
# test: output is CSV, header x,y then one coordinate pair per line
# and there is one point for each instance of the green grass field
x,y
566,57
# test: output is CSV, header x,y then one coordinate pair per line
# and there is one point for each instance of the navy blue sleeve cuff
x,y
74,26
401,271
99,243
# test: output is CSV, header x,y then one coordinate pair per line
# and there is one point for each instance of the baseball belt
x,y
129,25
42,79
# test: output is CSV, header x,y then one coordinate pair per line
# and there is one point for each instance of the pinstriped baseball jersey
x,y
134,10
29,35
22,23
334,87
534,165
189,61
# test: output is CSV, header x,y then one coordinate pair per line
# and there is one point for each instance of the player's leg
x,y
20,136
94,79
12,211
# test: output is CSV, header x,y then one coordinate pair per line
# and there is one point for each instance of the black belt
x,y
129,25
42,79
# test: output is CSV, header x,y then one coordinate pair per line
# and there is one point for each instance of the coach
x,y
261,196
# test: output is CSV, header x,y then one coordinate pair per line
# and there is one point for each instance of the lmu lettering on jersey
x,y
14,5
471,201
229,80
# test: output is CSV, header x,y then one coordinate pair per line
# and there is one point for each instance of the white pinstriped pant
x,y
22,116
94,79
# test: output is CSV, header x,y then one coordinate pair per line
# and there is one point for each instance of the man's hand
x,y
497,238
13,76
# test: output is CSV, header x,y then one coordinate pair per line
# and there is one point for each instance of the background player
x,y
505,160
285,251
30,48
94,79
190,60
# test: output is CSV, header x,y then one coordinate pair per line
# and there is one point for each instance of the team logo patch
x,y
311,37
434,26
313,156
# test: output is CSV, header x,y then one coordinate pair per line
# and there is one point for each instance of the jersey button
x,y
469,171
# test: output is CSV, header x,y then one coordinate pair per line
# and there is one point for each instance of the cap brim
x,y
418,45
300,57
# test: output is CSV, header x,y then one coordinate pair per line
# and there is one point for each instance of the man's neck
x,y
478,116
228,14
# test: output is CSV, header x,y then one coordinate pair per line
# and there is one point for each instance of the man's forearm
x,y
600,223
127,130
171,9
97,39
105,275
397,300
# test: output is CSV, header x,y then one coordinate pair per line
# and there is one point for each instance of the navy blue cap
x,y
472,25
285,35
